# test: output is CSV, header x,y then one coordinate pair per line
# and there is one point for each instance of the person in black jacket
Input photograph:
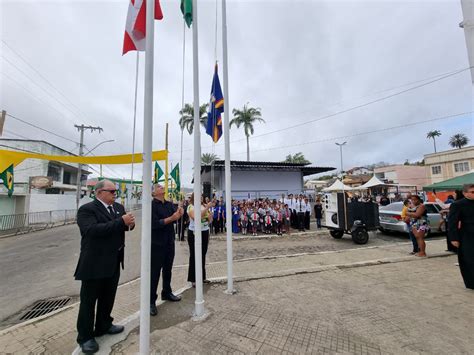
x,y
102,224
461,230
318,212
163,215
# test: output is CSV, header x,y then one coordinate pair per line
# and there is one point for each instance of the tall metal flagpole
x,y
228,186
134,122
146,214
199,302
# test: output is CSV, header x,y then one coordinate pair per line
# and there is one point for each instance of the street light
x,y
340,148
90,151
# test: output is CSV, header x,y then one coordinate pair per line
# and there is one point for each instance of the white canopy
x,y
337,186
374,181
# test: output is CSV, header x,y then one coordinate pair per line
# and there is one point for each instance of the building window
x,y
461,167
54,171
436,170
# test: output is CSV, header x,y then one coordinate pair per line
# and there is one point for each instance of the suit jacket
x,y
102,240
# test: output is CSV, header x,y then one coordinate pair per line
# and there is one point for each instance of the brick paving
x,y
340,307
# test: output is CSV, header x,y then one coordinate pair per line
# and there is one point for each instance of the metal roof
x,y
266,166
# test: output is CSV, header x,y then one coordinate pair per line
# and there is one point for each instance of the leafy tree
x,y
433,135
246,118
187,117
208,158
298,158
458,140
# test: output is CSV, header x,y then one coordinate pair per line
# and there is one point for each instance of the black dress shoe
x,y
153,310
171,298
90,346
115,329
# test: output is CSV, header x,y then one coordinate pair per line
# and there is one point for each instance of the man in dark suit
x,y
163,216
102,223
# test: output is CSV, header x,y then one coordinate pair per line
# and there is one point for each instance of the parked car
x,y
391,217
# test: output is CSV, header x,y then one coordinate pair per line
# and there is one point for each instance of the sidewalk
x,y
55,333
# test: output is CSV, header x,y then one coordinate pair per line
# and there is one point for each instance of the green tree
x,y
458,140
298,158
187,117
433,135
246,118
208,158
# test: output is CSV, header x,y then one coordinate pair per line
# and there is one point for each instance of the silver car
x,y
391,217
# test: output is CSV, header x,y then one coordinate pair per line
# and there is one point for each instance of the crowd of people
x,y
259,216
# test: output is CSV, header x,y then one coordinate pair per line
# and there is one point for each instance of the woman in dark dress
x,y
461,230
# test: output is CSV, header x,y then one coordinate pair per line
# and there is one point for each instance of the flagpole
x,y
228,185
134,122
146,201
199,302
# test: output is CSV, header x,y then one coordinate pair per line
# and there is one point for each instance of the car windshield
x,y
396,207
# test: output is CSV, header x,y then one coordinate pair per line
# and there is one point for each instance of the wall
x,y
40,203
264,183
404,174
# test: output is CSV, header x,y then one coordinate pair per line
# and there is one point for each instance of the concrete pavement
x,y
348,292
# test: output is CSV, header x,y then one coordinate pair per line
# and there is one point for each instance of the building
x,y
448,164
356,180
252,180
403,175
316,185
58,194
359,170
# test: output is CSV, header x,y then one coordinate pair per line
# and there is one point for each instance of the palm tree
x,y
458,140
208,158
246,117
433,135
298,158
187,117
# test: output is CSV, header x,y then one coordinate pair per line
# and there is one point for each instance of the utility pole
x,y
166,164
81,129
340,148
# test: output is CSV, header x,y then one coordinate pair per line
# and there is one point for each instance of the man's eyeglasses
x,y
111,191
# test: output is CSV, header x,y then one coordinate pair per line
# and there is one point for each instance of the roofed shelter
x,y
254,179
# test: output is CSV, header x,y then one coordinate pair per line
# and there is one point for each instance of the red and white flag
x,y
135,28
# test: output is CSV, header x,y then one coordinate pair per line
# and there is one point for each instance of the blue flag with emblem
x,y
216,107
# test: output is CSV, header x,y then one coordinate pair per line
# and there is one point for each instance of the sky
x,y
321,72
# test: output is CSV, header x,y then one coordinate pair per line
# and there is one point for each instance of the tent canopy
x,y
374,181
452,184
337,186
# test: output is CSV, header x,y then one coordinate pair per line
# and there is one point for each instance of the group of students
x,y
262,215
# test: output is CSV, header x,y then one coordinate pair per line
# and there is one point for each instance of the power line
x,y
40,128
45,79
360,133
348,109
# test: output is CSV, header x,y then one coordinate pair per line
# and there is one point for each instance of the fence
x,y
27,222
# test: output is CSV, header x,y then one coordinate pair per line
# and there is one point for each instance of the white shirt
x,y
300,206
106,205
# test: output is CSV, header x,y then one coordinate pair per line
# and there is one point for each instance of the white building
x,y
253,180
61,195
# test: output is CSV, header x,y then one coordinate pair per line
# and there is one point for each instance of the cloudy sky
x,y
320,71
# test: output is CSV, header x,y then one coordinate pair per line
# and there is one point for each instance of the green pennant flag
x,y
7,177
175,175
158,173
187,10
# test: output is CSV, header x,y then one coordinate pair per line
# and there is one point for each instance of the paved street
x,y
41,265
398,308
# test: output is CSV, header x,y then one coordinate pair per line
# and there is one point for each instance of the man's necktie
x,y
111,211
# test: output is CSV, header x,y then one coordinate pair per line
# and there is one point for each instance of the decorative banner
x,y
9,157
158,173
7,177
175,175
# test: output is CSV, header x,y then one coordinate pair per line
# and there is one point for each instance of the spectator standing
x,y
318,212
461,229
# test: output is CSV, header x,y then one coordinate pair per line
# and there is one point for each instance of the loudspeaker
x,y
330,210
